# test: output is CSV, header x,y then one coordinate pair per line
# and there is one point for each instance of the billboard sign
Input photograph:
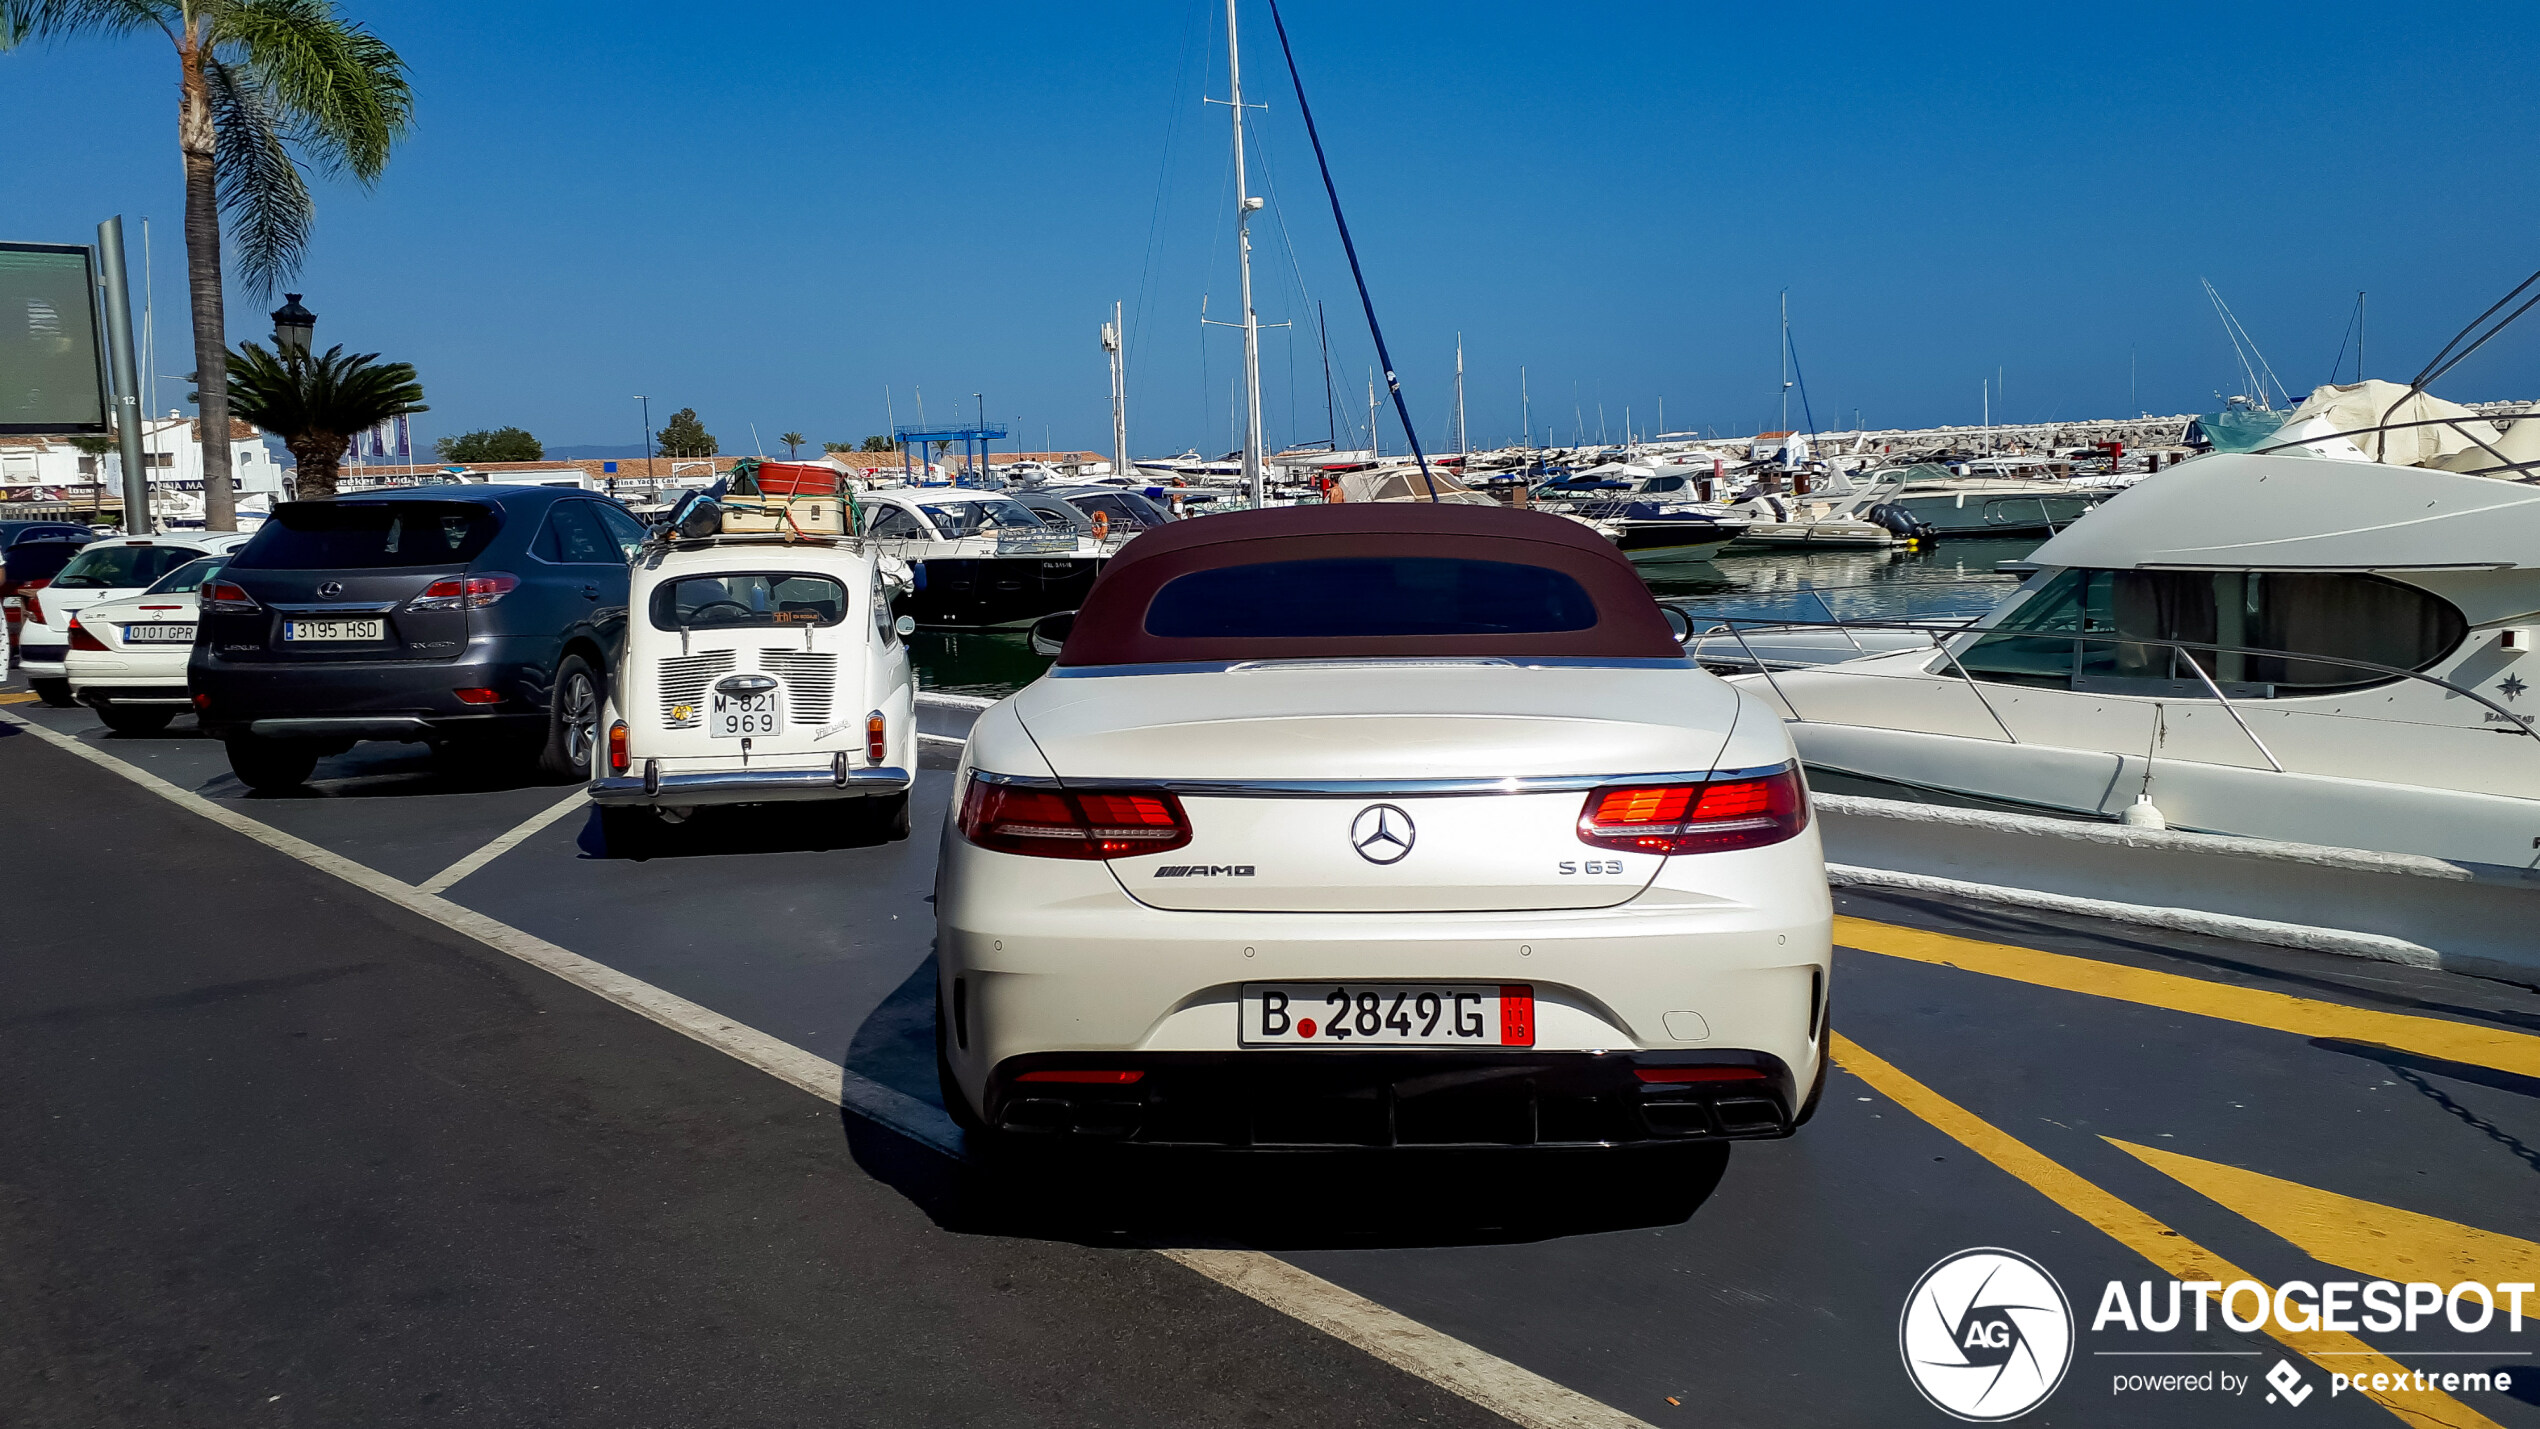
x,y
52,355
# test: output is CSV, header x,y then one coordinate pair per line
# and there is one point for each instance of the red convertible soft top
x,y
1368,579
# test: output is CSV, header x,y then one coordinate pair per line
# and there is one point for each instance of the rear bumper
x,y
397,700
43,662
1316,1099
98,694
749,786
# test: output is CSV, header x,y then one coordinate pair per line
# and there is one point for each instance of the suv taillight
x,y
223,597
1697,818
465,592
81,639
1064,823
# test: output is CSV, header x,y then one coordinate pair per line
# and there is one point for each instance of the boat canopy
x,y
2237,511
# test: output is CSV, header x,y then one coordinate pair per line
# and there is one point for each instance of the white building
x,y
51,469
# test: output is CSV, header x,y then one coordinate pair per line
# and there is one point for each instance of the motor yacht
x,y
982,560
2271,644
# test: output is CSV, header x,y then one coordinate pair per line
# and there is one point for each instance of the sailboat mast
x,y
1459,392
1245,203
1526,407
1375,444
1111,340
1785,360
1331,424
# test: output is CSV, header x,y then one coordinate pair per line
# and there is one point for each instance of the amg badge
x,y
1205,870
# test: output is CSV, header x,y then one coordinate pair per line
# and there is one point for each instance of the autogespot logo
x,y
1986,1335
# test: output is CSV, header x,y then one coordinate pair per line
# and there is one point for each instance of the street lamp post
x,y
293,326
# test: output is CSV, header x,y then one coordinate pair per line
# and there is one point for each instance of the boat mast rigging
x,y
1245,204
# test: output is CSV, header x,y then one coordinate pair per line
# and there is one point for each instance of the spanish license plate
x,y
1367,1014
158,635
297,630
746,716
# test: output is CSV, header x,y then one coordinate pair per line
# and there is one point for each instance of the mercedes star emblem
x,y
331,589
1382,834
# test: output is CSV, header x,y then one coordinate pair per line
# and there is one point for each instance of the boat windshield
x,y
956,519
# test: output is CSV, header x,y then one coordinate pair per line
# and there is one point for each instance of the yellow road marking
x,y
2515,1052
2175,1254
18,697
2376,1240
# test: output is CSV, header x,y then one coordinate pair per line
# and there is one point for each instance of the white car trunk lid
x,y
1336,787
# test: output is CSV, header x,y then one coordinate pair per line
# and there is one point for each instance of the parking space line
x,y
1506,1389
2492,1047
2384,1242
441,882
2140,1232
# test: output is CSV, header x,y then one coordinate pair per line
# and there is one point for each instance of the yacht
x,y
2275,644
1992,506
1842,510
1663,518
982,560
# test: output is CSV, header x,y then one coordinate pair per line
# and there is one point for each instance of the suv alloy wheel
x,y
573,720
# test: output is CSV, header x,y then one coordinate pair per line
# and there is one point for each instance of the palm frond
x,y
330,392
343,88
24,20
261,192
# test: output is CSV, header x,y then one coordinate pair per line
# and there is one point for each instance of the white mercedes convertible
x,y
1380,825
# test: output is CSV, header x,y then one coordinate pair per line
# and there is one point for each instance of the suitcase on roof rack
x,y
802,515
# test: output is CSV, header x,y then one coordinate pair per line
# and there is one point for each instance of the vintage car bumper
x,y
748,786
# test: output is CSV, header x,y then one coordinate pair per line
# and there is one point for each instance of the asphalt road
x,y
270,1135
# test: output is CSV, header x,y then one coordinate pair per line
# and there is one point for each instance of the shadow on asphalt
x,y
746,829
1292,1200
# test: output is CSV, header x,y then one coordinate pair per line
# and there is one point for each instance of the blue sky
x,y
772,212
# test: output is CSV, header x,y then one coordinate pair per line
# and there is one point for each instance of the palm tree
x,y
266,86
793,442
316,404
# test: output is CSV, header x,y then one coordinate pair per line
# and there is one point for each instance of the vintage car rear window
x,y
1339,598
748,598
354,535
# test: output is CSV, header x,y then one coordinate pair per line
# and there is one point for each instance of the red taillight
x,y
618,757
202,701
1063,823
876,736
1697,818
1676,1076
476,696
1105,1079
225,596
465,592
81,639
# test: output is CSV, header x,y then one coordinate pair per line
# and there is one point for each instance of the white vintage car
x,y
758,669
1380,825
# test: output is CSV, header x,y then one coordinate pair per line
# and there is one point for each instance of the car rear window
x,y
189,577
114,567
353,535
754,598
1368,580
1368,596
39,560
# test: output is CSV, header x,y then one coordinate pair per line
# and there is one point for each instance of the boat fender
x,y
919,568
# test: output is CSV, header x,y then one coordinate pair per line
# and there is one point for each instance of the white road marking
x,y
1506,1389
440,882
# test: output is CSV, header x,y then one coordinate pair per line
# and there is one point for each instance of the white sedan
x,y
1379,825
127,657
